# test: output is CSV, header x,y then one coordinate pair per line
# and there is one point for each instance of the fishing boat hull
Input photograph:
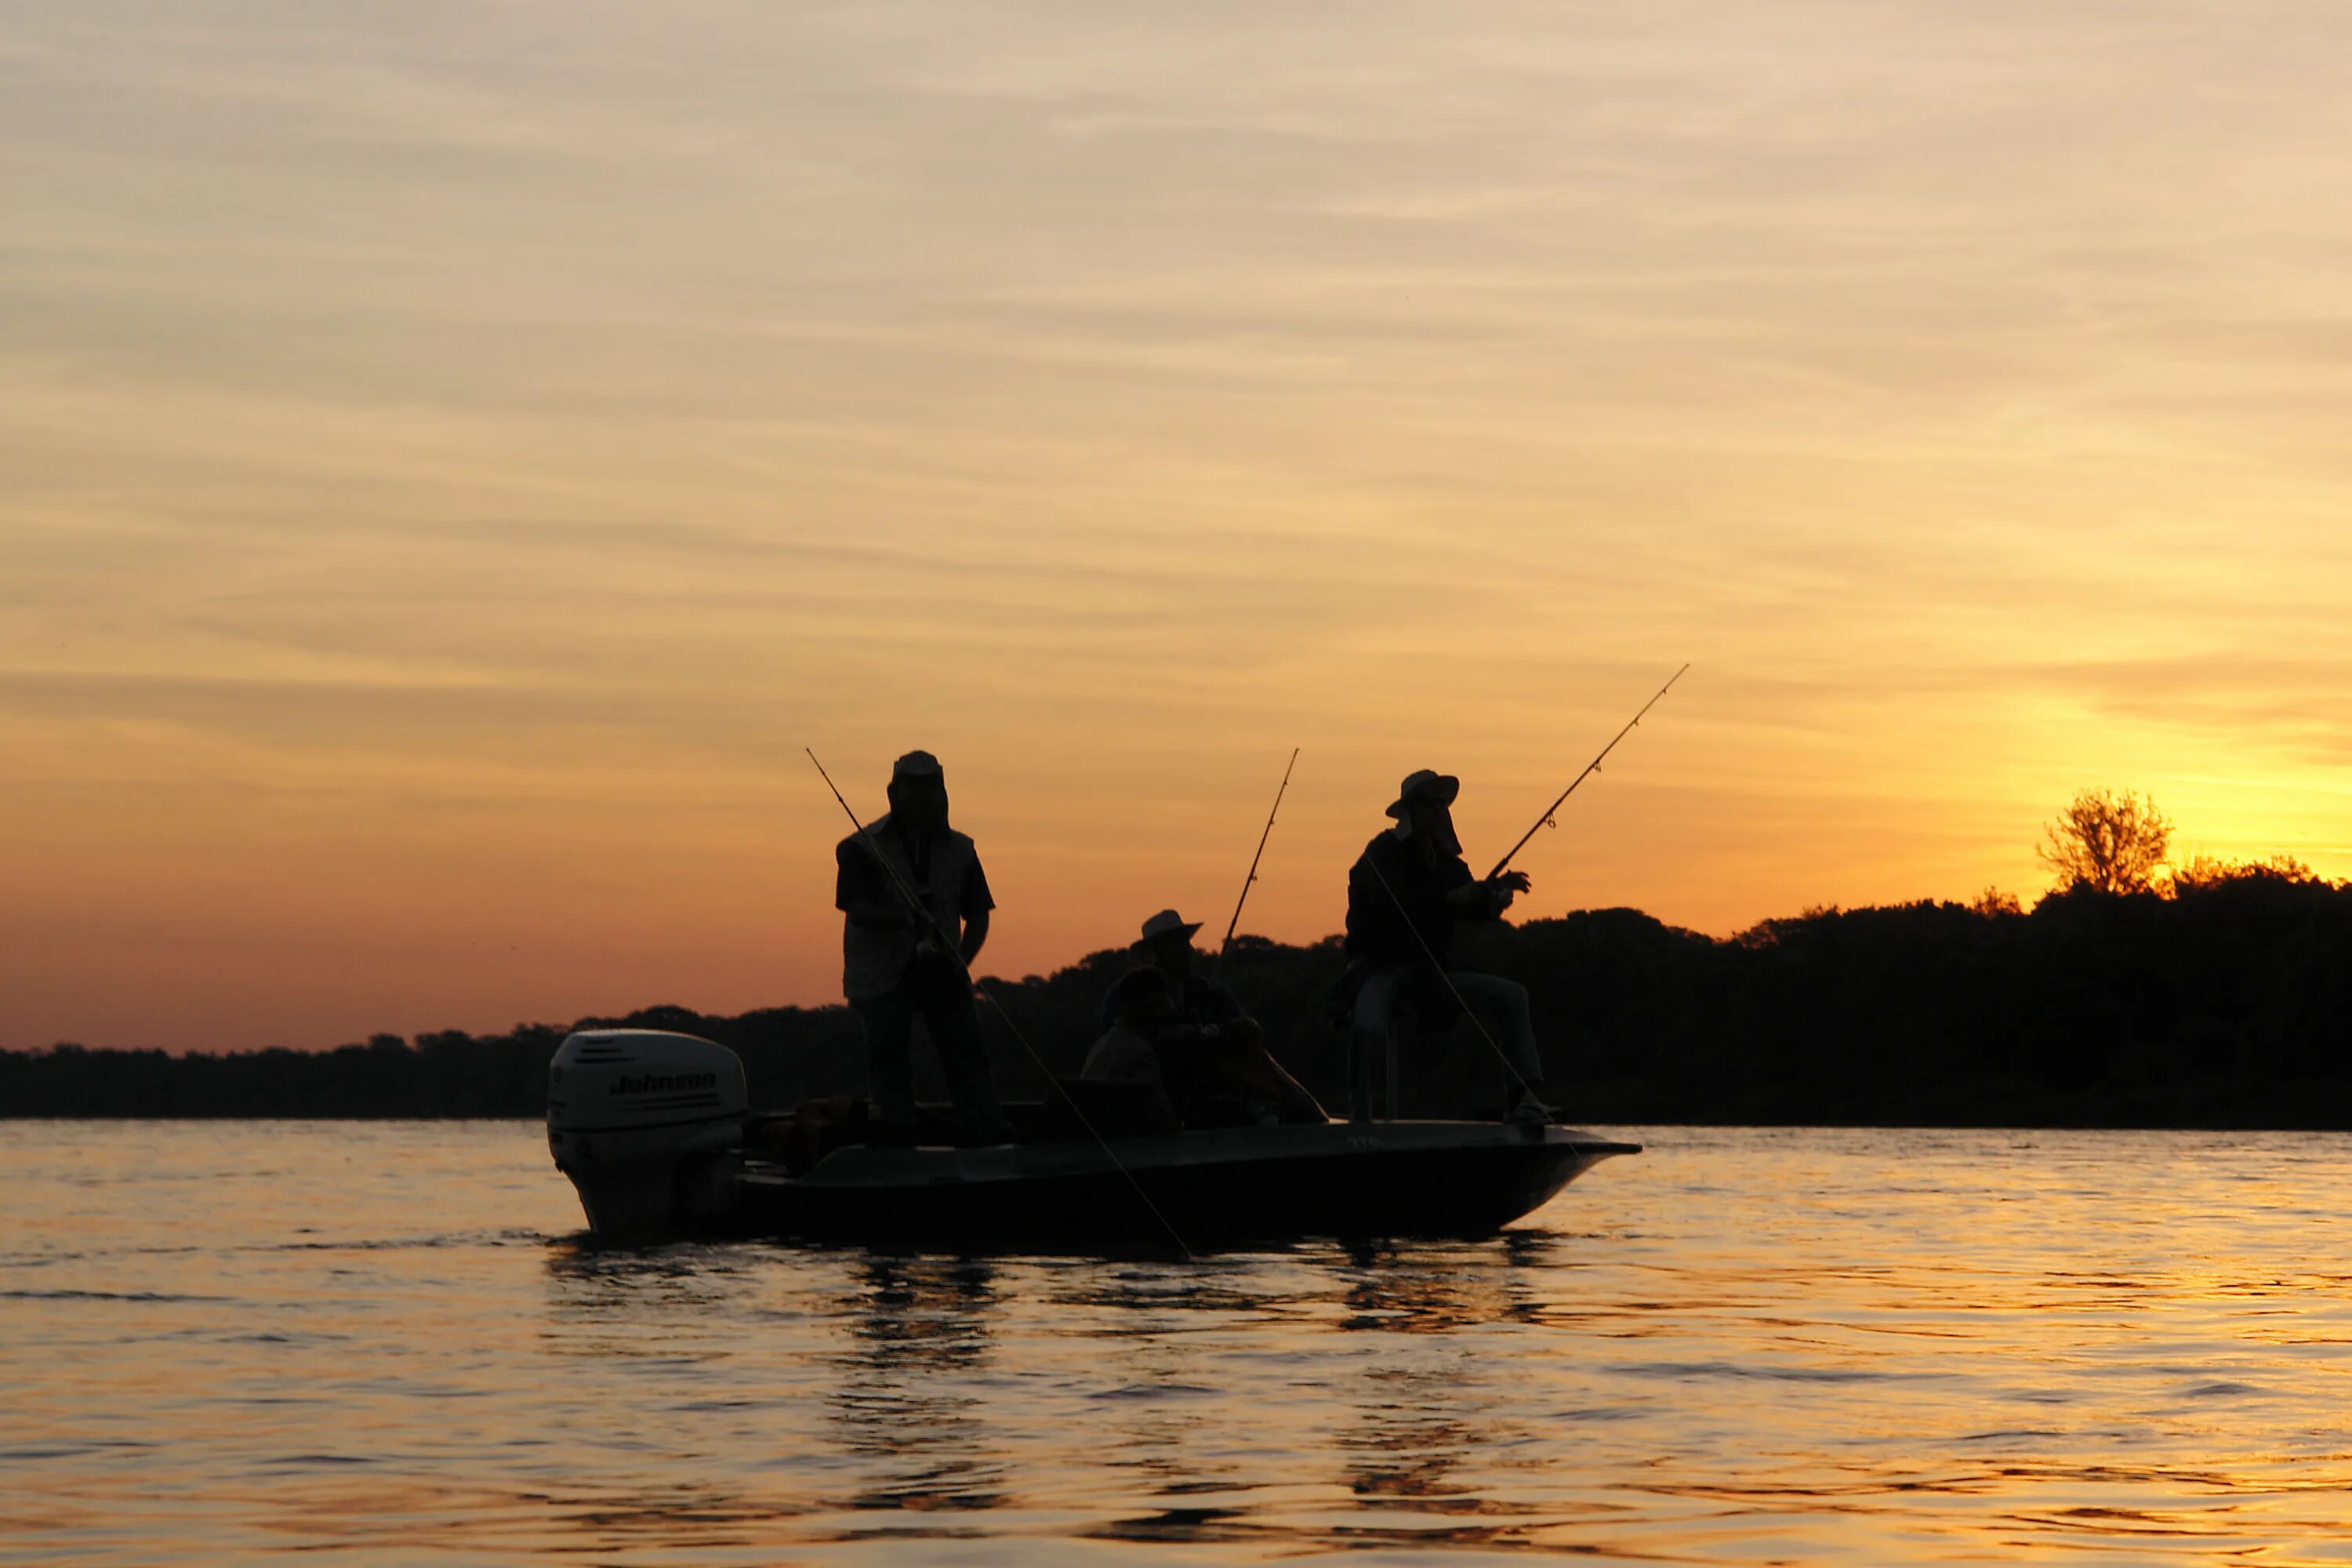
x,y
651,1128
1184,1191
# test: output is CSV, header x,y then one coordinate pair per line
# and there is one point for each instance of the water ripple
x,y
1852,1346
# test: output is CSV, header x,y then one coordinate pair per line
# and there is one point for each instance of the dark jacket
x,y
1392,892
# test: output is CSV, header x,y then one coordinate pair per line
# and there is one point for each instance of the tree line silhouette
x,y
2215,994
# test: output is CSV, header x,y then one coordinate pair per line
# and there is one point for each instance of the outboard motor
x,y
649,1127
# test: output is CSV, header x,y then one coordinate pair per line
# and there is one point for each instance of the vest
x,y
873,959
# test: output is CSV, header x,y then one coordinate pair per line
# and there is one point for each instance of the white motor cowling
x,y
649,1127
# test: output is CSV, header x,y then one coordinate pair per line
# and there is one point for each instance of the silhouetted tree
x,y
2228,1004
1993,903
2107,842
2206,872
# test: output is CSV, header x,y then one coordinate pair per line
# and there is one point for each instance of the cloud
x,y
439,394
2297,707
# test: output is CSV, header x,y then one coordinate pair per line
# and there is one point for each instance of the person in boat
x,y
1409,894
1211,1052
899,964
1139,1007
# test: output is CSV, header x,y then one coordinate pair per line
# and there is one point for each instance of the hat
x,y
1426,787
915,765
1167,923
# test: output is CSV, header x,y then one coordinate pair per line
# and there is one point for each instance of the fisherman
x,y
1408,895
899,963
1212,1052
1139,1007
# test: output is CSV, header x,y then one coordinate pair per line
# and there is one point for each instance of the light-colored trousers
x,y
1500,1005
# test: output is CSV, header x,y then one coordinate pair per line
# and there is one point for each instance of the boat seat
x,y
1368,1075
1414,1023
1112,1109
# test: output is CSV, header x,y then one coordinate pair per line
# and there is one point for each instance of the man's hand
x,y
1506,888
940,960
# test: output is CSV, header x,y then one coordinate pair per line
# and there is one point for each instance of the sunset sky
x,y
457,456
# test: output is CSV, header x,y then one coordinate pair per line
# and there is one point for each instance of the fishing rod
x,y
1248,881
939,934
1590,769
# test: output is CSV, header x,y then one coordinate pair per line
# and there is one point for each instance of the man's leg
x,y
889,1057
954,1025
1502,1006
1367,1041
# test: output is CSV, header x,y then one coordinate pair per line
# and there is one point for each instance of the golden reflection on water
x,y
389,1344
919,1329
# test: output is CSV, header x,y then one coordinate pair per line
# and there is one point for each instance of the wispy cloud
x,y
497,405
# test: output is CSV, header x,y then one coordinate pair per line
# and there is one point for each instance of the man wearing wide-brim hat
x,y
1409,894
900,963
1214,1057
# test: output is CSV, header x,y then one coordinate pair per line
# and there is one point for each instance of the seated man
x,y
1127,1053
1213,1055
1407,894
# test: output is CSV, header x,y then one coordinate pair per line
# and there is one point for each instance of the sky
x,y
456,458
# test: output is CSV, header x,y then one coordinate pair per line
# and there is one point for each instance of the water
x,y
384,1343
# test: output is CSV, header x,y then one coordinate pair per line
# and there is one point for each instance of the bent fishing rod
x,y
955,955
1590,769
1249,881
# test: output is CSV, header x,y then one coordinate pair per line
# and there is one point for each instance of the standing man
x,y
1407,894
898,965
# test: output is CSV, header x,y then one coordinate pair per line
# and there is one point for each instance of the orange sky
x,y
458,456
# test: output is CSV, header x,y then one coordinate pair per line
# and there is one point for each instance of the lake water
x,y
228,1343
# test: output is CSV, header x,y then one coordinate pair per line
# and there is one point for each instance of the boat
x,y
655,1131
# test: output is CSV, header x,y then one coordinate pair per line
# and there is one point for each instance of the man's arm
x,y
1213,1003
861,892
1489,899
1236,1032
973,906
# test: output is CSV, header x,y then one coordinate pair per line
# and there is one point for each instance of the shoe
x,y
1526,1111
